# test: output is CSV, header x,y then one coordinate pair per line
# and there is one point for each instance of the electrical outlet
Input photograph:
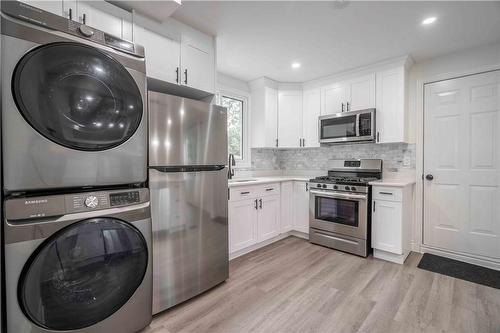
x,y
406,161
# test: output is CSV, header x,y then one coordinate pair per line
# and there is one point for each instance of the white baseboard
x,y
254,247
475,260
396,258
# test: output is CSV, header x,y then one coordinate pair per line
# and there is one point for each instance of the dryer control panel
x,y
59,205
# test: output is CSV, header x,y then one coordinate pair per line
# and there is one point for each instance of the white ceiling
x,y
263,38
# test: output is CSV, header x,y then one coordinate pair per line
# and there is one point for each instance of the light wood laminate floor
x,y
295,286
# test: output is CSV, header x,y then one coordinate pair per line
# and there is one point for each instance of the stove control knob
x,y
347,188
319,185
324,185
335,187
91,201
353,188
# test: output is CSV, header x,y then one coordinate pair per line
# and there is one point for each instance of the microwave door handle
x,y
357,125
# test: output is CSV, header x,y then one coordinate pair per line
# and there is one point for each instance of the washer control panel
x,y
124,198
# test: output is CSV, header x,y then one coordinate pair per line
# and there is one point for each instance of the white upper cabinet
x,y
264,114
103,16
311,111
162,55
197,65
289,118
361,93
334,98
64,8
349,95
391,106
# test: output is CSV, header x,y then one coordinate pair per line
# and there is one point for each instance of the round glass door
x,y
83,274
77,96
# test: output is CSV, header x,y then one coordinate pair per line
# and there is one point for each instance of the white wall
x,y
228,82
447,66
466,62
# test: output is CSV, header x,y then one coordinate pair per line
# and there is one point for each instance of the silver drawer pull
x,y
386,193
244,193
269,189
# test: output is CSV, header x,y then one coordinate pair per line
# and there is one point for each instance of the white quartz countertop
x,y
265,180
393,182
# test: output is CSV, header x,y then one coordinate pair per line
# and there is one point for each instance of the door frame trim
x,y
417,244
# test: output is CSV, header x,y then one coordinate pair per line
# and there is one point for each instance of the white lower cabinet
x,y
268,217
286,221
242,224
391,222
301,207
259,214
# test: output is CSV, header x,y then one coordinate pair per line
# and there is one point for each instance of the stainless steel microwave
x,y
351,126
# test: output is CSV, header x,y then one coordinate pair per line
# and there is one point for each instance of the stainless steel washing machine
x,y
73,104
78,263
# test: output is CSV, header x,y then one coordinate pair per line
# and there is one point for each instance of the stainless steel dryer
x,y
73,104
78,263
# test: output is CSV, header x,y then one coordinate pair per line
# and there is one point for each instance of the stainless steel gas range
x,y
340,206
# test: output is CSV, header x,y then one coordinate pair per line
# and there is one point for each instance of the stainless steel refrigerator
x,y
188,184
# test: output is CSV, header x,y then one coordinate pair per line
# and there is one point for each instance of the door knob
x,y
429,177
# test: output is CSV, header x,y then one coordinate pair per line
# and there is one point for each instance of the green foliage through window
x,y
234,125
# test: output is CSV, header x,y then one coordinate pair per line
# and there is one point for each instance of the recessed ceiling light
x,y
429,20
295,65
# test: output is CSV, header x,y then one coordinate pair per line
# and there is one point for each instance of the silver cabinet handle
x,y
260,203
243,193
177,75
256,207
386,193
378,136
70,14
342,107
269,189
347,106
186,76
374,206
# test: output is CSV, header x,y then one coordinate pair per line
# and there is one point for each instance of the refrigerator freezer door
x,y
190,234
186,132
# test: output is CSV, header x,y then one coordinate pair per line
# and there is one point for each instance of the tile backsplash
x,y
396,156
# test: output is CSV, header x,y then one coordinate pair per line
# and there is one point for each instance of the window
x,y
234,125
237,104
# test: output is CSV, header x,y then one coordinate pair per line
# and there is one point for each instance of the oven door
x,y
339,212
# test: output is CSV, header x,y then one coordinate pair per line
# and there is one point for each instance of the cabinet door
x,y
268,217
197,67
310,113
387,226
100,19
301,207
286,220
271,116
334,98
54,7
289,118
361,93
242,224
162,54
390,106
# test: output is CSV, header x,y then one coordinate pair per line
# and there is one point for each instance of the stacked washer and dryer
x,y
76,221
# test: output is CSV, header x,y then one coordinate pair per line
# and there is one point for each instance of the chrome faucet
x,y
231,164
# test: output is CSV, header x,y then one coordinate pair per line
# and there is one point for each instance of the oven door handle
x,y
339,195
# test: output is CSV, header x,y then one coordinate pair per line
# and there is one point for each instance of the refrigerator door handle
x,y
188,168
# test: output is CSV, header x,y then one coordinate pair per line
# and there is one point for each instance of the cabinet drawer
x,y
387,193
241,193
268,189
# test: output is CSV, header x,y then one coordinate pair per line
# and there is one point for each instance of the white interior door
x,y
462,148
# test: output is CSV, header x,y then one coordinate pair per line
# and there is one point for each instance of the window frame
x,y
245,162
